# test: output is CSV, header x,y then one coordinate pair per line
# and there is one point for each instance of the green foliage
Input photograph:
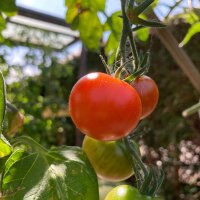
x,y
191,17
143,34
5,147
61,173
114,25
83,16
8,8
194,29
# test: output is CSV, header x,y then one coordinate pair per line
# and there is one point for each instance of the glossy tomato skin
x,y
148,92
127,192
124,192
104,107
109,159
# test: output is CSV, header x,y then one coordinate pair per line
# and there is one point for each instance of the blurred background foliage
x,y
170,140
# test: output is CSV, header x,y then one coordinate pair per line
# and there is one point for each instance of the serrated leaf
x,y
61,173
2,101
194,29
90,30
5,147
8,6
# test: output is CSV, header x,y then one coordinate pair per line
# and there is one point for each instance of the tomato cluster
x,y
107,109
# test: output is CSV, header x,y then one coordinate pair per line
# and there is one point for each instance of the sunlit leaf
x,y
113,23
143,34
61,173
194,29
5,147
90,30
71,14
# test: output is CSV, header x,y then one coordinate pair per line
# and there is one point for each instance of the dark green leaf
x,y
2,101
150,23
2,163
5,147
142,6
8,6
1,38
2,22
61,173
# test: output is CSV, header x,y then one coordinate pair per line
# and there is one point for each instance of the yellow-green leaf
x,y
194,29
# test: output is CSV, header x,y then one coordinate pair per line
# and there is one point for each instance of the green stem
x,y
124,32
127,32
192,110
132,3
136,162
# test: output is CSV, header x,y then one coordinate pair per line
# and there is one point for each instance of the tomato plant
x,y
127,192
148,92
109,159
104,107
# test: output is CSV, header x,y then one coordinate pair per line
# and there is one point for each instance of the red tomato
x,y
103,107
148,91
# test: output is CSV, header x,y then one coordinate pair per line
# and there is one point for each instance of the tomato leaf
x,y
8,6
2,101
5,147
62,173
87,23
83,16
194,29
113,23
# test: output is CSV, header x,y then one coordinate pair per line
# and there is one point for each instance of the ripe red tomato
x,y
104,107
109,159
148,91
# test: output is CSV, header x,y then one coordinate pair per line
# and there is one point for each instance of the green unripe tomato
x,y
127,192
124,192
109,159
